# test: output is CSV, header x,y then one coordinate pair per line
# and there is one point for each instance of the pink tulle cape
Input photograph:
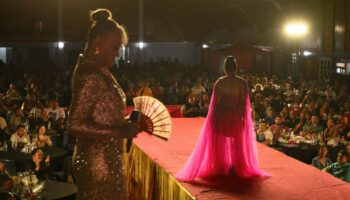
x,y
227,142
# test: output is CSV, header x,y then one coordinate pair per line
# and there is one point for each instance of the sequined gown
x,y
97,110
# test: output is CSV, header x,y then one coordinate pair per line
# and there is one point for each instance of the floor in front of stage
x,y
290,179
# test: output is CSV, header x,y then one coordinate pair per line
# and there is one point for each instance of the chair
x,y
10,167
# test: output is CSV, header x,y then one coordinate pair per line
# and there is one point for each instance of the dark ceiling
x,y
210,21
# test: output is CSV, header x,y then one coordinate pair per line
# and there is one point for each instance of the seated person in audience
x,y
2,169
344,128
6,188
198,89
313,128
130,94
41,167
204,104
270,117
278,129
3,130
305,118
45,118
30,103
174,94
20,138
191,108
263,135
341,168
347,148
43,140
284,115
58,115
144,89
13,92
345,114
321,160
157,91
292,120
18,119
330,133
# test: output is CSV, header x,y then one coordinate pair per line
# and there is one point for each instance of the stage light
x,y
141,45
204,46
296,29
307,53
60,45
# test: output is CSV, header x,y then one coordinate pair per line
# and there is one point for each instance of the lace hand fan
x,y
156,118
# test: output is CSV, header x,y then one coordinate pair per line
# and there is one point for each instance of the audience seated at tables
x,y
341,168
58,115
191,108
43,140
18,119
7,187
278,129
263,135
20,138
313,128
41,167
330,134
321,160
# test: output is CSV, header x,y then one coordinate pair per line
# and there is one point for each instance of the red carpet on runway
x,y
291,179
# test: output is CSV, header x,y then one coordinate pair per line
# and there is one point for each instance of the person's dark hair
x,y
3,179
230,65
320,148
343,153
278,116
102,23
316,115
21,126
39,126
263,122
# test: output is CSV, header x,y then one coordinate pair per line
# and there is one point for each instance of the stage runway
x,y
153,162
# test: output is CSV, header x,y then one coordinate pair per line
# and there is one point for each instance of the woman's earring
x,y
97,51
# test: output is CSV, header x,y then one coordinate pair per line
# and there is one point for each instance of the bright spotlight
x,y
141,45
60,45
296,29
204,46
307,53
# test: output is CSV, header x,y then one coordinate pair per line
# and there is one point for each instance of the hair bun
x,y
100,15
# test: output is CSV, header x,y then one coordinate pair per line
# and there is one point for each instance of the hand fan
x,y
156,118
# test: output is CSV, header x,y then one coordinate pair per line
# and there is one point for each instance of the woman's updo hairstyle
x,y
102,23
230,65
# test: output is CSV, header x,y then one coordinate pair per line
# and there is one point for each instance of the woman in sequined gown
x,y
97,117
227,144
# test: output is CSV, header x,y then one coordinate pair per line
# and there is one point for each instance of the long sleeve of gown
x,y
86,111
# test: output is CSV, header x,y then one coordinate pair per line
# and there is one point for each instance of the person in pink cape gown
x,y
227,143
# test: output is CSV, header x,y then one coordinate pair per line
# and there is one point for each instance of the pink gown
x,y
227,143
